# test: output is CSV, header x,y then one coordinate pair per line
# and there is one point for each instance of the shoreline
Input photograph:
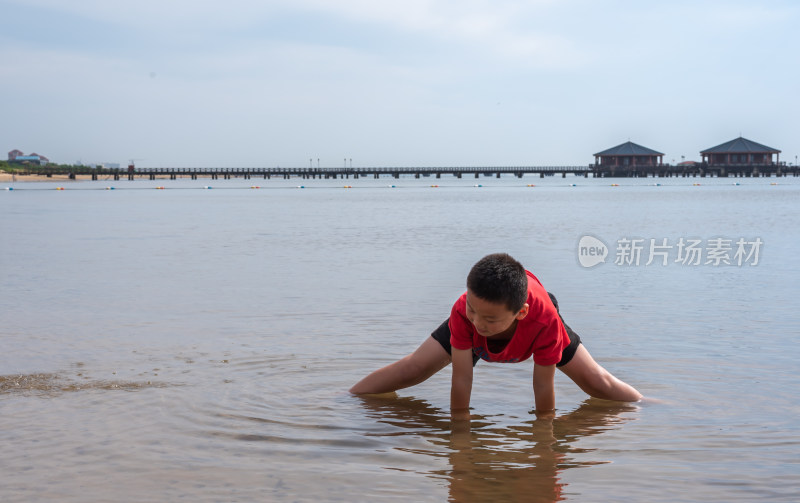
x,y
11,178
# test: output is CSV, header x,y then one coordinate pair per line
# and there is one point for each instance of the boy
x,y
504,316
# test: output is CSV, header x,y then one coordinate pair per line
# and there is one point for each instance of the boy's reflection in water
x,y
501,463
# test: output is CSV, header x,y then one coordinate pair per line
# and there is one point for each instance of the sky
x,y
264,83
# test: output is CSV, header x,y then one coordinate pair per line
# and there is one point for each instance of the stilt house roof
x,y
740,146
628,148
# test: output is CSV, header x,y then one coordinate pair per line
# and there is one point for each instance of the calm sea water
x,y
198,344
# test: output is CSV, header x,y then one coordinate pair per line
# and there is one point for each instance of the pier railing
x,y
327,173
600,171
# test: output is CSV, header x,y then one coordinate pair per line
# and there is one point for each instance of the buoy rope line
x,y
254,187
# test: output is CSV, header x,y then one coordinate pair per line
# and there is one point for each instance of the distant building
x,y
34,158
30,159
740,152
628,155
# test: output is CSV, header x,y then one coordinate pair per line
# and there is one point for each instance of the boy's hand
x,y
460,425
460,415
461,385
543,387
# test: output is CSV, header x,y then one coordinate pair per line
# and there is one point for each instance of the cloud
x,y
498,28
157,13
487,30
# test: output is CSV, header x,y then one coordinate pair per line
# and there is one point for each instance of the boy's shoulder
x,y
536,292
532,278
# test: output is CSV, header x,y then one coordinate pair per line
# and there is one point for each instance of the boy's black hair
x,y
501,279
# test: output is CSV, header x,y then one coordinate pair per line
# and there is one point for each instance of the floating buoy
x,y
573,185
478,185
160,187
346,187
615,185
774,183
109,188
736,183
695,184
208,187
9,188
392,186
255,187
59,188
531,185
434,186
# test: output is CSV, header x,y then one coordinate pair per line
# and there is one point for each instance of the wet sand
x,y
10,177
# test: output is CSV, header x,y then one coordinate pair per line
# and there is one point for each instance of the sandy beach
x,y
9,177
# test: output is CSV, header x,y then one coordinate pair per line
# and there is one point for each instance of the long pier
x,y
595,171
334,173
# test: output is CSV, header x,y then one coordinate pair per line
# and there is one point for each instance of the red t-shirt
x,y
541,333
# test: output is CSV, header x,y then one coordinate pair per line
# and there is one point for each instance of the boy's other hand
x,y
460,421
460,415
545,414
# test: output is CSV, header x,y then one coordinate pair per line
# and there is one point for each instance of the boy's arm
x,y
461,387
543,388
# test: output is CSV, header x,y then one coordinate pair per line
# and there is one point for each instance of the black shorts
x,y
442,336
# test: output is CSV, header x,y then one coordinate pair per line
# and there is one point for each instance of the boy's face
x,y
491,318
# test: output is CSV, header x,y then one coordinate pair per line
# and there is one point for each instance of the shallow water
x,y
198,344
